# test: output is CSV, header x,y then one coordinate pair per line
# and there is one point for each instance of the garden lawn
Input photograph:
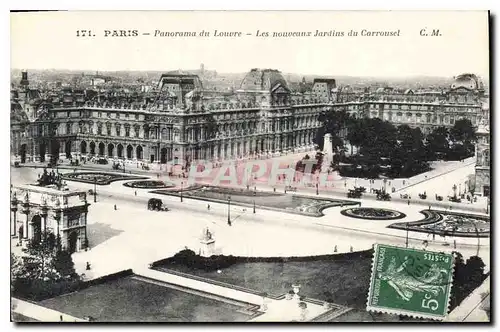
x,y
346,280
131,300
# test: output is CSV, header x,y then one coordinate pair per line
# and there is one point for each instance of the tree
x,y
334,123
438,143
63,264
462,132
462,137
467,277
355,134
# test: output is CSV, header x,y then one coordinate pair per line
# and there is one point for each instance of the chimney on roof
x,y
24,78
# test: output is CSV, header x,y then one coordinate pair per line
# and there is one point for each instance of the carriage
x,y
156,204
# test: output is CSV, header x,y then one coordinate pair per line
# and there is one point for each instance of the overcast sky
x,y
48,41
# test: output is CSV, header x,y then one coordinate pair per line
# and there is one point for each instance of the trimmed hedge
x,y
39,290
216,262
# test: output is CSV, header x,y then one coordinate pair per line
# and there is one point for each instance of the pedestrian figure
x,y
403,182
61,318
115,207
274,189
335,249
87,267
351,249
408,202
429,207
208,207
135,192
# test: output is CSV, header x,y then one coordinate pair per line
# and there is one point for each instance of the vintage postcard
x,y
261,166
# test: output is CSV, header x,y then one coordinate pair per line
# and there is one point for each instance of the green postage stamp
x,y
410,282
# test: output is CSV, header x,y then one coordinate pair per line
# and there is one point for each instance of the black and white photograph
x,y
250,166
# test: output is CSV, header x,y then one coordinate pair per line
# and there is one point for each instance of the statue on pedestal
x,y
207,243
327,153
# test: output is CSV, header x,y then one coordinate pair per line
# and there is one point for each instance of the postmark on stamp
x,y
410,282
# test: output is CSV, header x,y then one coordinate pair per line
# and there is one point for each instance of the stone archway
x,y
73,242
43,151
67,149
92,148
119,150
22,153
83,147
20,232
36,224
101,149
130,149
138,152
55,150
111,149
163,155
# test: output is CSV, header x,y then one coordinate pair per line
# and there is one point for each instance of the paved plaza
x,y
131,237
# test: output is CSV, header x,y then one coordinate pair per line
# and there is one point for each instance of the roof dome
x,y
263,79
468,81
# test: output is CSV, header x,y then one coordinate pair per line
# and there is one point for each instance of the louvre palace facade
x,y
180,120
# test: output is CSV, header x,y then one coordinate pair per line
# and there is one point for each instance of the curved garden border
x,y
100,181
327,203
144,184
434,216
398,215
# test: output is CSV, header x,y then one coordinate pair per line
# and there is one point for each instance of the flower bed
x,y
98,177
303,205
149,184
446,223
373,213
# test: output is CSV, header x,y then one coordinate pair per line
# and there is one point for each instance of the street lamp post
x,y
229,210
182,185
13,208
478,239
254,194
95,189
